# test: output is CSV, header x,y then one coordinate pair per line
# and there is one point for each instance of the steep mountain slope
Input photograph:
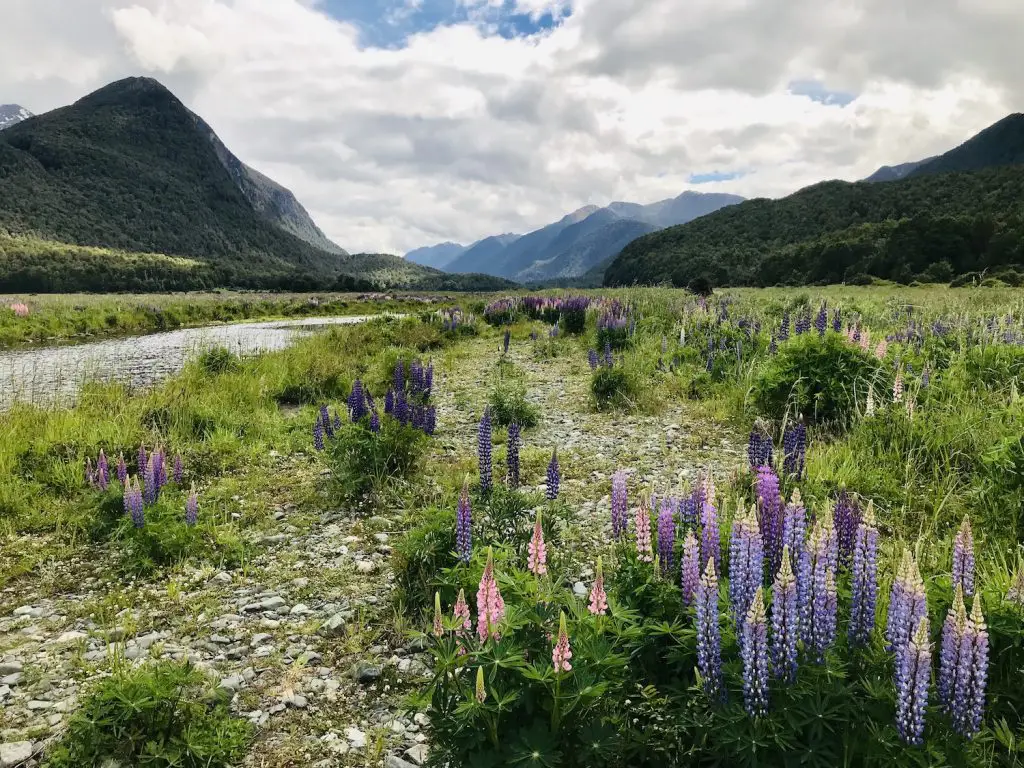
x,y
524,251
587,251
1002,143
11,114
896,172
481,255
686,207
436,256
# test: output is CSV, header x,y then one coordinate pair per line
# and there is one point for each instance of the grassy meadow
x,y
364,497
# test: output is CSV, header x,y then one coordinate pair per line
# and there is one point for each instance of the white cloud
x,y
461,133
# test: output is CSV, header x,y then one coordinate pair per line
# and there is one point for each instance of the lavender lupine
x,y
746,564
963,557
160,468
553,477
754,652
642,526
325,421
784,328
178,473
102,471
464,525
192,507
538,553
598,597
149,481
794,525
837,320
318,435
969,695
785,621
897,598
490,607
122,470
667,535
794,448
512,454
483,447
769,504
356,401
819,614
134,504
620,509
846,517
865,580
949,650
709,633
913,668
592,359
690,570
375,423
759,446
911,606
710,536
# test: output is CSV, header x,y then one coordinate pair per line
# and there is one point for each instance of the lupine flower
x,y
592,359
598,597
642,524
865,339
690,571
461,614
538,551
769,503
794,525
746,564
784,328
1016,592
709,633
336,424
490,607
438,623
911,606
882,349
972,674
897,596
389,402
666,534
506,340
192,507
553,477
562,652
897,388
399,376
142,459
356,401
481,691
178,473
688,512
318,435
512,455
821,321
464,526
483,447
794,449
869,406
913,668
759,446
949,649
325,421
428,379
710,542
846,517
402,408
963,557
90,473
865,579
926,377
160,468
122,469
837,321
375,423
102,471
785,620
619,504
754,652
149,481
820,611
134,504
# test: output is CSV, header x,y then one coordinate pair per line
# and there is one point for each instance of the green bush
x,y
825,379
509,405
366,464
218,360
164,715
613,388
421,555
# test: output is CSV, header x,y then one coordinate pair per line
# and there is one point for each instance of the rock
x,y
396,762
300,583
296,700
417,755
260,639
277,538
355,737
334,626
365,566
366,673
298,610
10,667
12,679
34,705
147,640
71,637
223,578
272,603
233,683
5,691
15,753
579,589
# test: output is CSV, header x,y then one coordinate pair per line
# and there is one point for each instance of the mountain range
x,y
130,169
11,114
574,244
957,213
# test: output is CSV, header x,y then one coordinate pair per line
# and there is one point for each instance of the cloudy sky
x,y
401,123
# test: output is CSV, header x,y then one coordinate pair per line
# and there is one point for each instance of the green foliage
x,y
573,321
826,380
367,464
509,404
164,715
218,360
613,388
994,365
421,556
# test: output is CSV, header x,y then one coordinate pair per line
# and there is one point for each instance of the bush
x,y
164,715
421,555
365,464
825,379
509,405
613,387
218,360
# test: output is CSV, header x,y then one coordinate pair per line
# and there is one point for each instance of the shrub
x,y
825,379
366,463
421,555
509,405
218,360
164,715
613,387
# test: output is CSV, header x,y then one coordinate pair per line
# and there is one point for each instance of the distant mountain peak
x,y
11,114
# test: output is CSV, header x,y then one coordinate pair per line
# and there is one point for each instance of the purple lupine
x,y
483,450
356,401
512,454
389,402
336,423
102,471
464,525
149,481
688,512
690,570
821,321
506,340
710,536
769,503
553,477
773,346
949,650
709,633
794,449
897,599
399,377
837,320
430,422
784,328
970,696
122,470
318,435
865,580
178,472
592,359
746,564
428,379
819,613
134,503
415,377
910,607
609,361
667,535
325,420
90,473
192,507
160,468
754,652
401,407
620,505
785,621
963,558
417,416
759,446
846,517
794,526
913,668
143,458
375,423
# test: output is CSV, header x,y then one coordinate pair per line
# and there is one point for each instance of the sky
x,y
403,123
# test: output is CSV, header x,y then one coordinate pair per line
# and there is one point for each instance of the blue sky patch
x,y
389,23
815,90
707,178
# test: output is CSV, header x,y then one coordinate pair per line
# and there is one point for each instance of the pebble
x,y
296,700
366,673
334,626
14,753
366,566
355,737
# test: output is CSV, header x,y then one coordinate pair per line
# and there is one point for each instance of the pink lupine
x,y
461,613
562,652
438,625
598,597
538,551
897,388
643,533
490,607
882,349
865,339
481,690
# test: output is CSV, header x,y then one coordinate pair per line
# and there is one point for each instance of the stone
x,y
298,610
15,753
300,583
579,589
260,639
5,691
10,667
272,603
233,683
396,762
14,679
334,626
296,700
366,673
355,737
365,566
34,705
71,637
417,754
277,538
223,577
